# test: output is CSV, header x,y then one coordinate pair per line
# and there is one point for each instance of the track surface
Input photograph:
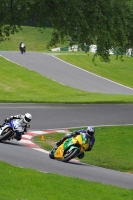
x,y
61,116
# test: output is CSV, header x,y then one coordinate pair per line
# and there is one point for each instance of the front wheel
x,y
5,135
22,50
69,155
51,154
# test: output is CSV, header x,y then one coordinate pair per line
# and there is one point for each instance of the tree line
x,y
106,23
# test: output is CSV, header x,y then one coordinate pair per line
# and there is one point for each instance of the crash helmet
x,y
27,117
90,130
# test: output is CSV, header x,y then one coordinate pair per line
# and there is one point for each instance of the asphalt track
x,y
47,116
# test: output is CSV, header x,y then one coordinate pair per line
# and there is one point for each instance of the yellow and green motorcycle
x,y
70,148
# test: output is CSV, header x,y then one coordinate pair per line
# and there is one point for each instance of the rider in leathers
x,y
89,134
24,46
24,121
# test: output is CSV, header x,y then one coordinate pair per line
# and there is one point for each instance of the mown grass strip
x,y
26,184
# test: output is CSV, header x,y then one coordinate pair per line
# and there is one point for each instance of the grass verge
x,y
34,39
26,184
118,70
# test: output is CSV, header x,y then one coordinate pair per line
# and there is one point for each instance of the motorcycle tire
x,y
72,154
22,50
5,135
51,155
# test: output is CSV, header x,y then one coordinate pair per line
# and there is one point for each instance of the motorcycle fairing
x,y
83,141
15,124
59,152
80,142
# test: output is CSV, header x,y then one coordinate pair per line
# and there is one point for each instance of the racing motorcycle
x,y
70,148
12,129
22,48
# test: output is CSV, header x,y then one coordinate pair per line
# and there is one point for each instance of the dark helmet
x,y
90,130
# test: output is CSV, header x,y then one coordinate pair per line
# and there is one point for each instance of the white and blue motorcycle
x,y
11,130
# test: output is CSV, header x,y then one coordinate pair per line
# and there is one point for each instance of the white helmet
x,y
90,130
27,117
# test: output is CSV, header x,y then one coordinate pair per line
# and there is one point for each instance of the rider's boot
x,y
18,137
81,155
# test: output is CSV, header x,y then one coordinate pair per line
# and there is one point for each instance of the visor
x,y
27,119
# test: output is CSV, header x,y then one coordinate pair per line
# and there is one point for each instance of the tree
x,y
108,24
12,14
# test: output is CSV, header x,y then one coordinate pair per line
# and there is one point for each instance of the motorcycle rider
x,y
89,135
24,46
24,121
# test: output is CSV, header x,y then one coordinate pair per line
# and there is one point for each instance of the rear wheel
x,y
69,155
6,134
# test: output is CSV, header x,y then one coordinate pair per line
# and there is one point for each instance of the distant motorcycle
x,y
22,48
11,130
70,148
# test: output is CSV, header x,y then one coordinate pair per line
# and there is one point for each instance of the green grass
x,y
117,70
112,149
16,86
26,184
31,36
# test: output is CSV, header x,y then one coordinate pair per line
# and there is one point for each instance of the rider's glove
x,y
28,126
75,133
